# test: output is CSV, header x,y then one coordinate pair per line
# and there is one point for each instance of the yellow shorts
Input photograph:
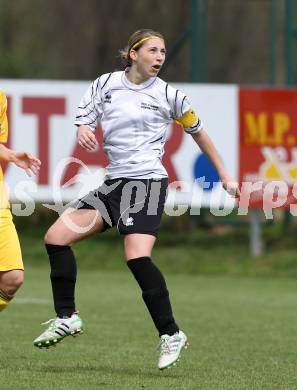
x,y
10,250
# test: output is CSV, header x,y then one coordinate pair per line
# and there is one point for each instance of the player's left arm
x,y
193,125
3,118
23,160
190,121
207,147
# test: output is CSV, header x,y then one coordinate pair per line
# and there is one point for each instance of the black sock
x,y
154,294
63,278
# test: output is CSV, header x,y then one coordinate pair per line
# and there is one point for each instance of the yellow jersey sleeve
x,y
190,122
3,118
4,204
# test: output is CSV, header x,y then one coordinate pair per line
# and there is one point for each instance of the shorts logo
x,y
129,221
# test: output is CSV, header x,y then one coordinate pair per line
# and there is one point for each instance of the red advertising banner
x,y
268,146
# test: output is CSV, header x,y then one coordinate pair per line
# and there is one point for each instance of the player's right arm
x,y
88,116
86,138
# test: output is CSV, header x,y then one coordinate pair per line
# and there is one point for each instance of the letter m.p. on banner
x,y
268,147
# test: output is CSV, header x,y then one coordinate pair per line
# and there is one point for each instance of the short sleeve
x,y
3,118
182,111
177,101
89,111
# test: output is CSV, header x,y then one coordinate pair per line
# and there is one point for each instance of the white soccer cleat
x,y
170,349
58,329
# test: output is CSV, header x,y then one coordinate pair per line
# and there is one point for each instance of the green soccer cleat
x,y
58,329
170,349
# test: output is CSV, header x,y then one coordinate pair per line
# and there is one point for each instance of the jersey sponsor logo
x,y
149,106
107,97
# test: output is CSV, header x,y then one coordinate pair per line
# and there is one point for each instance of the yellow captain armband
x,y
189,119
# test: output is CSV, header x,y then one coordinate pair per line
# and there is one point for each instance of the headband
x,y
142,40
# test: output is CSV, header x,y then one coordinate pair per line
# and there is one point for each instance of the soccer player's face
x,y
150,57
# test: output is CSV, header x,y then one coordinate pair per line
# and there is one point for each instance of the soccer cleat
x,y
58,329
170,349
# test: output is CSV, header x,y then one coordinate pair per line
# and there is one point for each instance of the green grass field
x,y
239,313
242,334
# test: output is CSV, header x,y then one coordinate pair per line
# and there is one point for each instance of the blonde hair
x,y
135,42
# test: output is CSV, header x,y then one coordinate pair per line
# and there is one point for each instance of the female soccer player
x,y
134,108
11,265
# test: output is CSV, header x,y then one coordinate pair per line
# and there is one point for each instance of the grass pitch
x,y
242,334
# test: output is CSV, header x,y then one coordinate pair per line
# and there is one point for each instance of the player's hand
x,y
86,138
231,186
27,162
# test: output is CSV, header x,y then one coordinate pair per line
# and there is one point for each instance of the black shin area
x,y
154,294
63,278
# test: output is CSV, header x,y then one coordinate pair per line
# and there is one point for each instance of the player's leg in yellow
x,y
11,264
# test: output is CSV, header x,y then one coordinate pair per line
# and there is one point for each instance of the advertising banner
x,y
268,146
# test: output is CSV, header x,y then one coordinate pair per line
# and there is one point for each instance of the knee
x,y
51,237
138,245
17,280
13,282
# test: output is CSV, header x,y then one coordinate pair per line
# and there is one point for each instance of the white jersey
x,y
134,120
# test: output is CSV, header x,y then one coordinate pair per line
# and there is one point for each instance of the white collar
x,y
134,86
